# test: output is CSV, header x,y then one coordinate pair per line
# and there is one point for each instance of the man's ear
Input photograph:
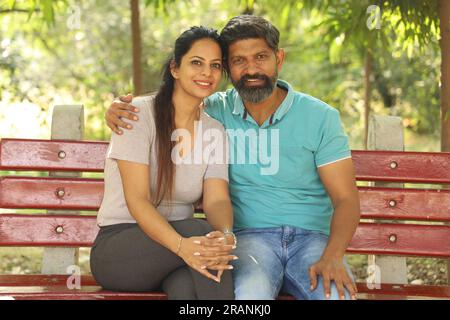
x,y
173,69
280,58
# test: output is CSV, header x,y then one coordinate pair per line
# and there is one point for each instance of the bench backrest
x,y
431,205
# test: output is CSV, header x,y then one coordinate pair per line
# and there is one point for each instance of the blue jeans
x,y
278,259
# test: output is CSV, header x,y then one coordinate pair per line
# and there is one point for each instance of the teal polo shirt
x,y
302,135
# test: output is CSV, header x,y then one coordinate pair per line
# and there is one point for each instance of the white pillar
x,y
67,124
386,133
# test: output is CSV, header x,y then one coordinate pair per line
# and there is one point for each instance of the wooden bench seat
x,y
53,287
418,212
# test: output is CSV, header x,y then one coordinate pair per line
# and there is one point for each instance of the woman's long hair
x,y
165,112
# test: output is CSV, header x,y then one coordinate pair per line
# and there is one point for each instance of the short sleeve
x,y
333,144
218,152
134,145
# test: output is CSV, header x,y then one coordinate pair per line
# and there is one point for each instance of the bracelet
x,y
179,245
232,233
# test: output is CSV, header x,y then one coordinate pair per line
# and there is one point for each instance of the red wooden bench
x,y
372,236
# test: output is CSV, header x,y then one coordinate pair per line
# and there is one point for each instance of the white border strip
x,y
334,161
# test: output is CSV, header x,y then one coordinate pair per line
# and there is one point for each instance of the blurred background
x,y
362,57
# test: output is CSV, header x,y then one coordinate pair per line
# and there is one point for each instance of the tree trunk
x,y
444,16
136,38
368,65
249,7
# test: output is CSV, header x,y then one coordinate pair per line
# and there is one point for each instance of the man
x,y
293,225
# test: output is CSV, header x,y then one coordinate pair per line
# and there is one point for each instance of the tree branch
x,y
18,10
60,59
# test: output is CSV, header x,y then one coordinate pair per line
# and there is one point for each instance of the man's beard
x,y
255,94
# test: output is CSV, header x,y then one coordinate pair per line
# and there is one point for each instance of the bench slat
x,y
51,193
87,194
54,286
85,293
42,155
41,280
89,156
399,291
414,167
41,230
370,238
404,204
401,239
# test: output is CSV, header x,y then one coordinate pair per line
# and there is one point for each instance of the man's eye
x,y
261,56
237,61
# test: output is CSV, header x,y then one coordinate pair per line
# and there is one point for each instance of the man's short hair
x,y
249,27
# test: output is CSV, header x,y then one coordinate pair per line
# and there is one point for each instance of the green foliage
x,y
161,6
407,32
47,61
45,9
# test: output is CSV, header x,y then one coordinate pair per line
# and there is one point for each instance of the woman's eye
x,y
196,62
217,66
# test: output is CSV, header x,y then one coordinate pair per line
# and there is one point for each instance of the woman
x,y
148,239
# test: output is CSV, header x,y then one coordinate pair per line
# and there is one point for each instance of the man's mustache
x,y
246,77
253,77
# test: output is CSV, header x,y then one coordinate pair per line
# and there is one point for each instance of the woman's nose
x,y
206,71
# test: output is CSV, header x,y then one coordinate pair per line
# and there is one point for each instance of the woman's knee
x,y
226,291
179,285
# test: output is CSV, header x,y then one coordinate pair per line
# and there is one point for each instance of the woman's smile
x,y
204,84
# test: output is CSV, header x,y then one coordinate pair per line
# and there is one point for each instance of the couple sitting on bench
x,y
279,221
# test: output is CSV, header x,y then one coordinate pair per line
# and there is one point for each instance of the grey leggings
x,y
124,258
